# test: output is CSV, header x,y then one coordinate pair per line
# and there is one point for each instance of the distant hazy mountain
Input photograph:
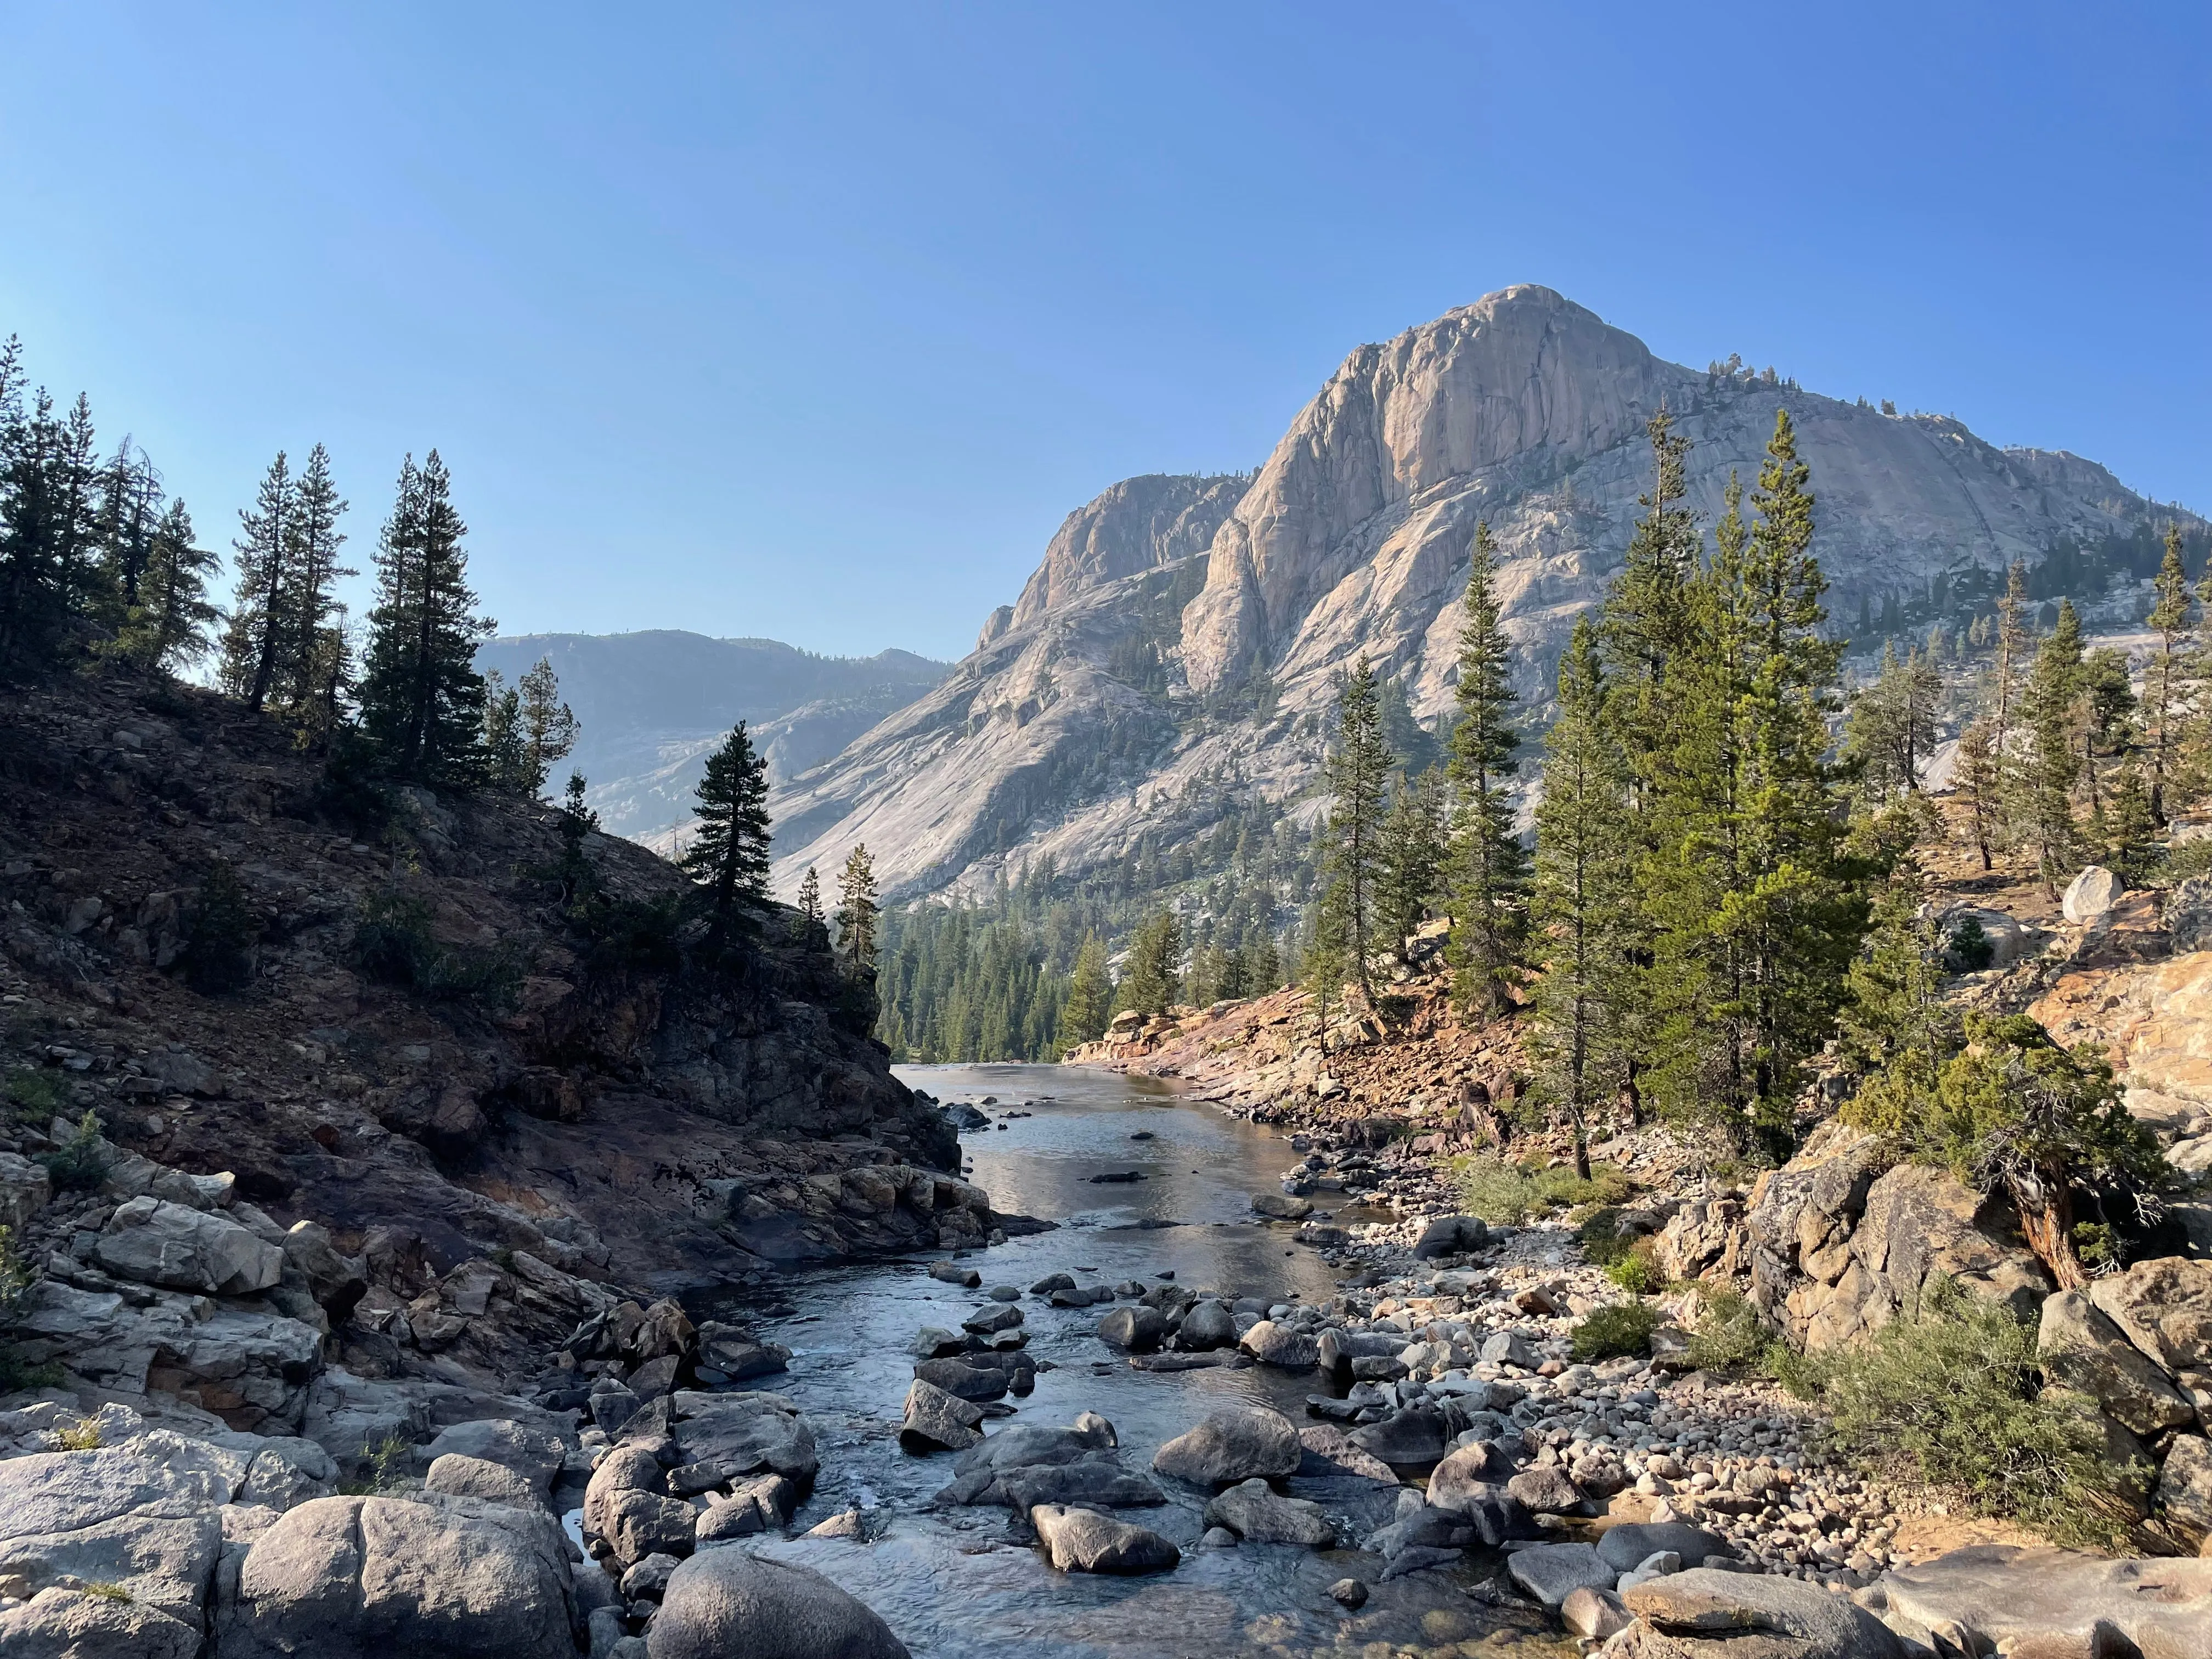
x,y
1174,656
653,703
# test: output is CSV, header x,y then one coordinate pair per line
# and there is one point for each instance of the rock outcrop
x,y
1147,684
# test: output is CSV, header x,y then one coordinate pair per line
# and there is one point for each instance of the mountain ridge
x,y
1135,693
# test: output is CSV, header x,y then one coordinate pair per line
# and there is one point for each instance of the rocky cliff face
x,y
1141,680
492,1125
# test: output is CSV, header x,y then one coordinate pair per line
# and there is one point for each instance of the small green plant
x,y
1603,1240
382,1463
83,1435
393,942
1636,1270
1619,1327
33,1096
218,954
80,1164
1506,1194
2099,1245
1971,947
1955,1388
108,1590
1729,1335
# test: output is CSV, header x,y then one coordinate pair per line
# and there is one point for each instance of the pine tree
x,y
1412,857
527,729
1756,902
1581,895
857,909
1089,995
129,511
309,604
166,625
254,650
2052,707
1891,728
1151,974
812,928
1489,869
2127,830
1896,1006
1352,858
2015,644
729,856
48,579
1980,781
2169,685
421,697
2106,717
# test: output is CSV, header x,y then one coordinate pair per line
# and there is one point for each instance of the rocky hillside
x,y
436,1128
1149,674
652,704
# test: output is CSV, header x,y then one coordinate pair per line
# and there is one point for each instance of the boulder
x,y
1545,1490
472,1477
2091,896
951,1272
1511,1348
2165,1308
2184,1488
934,1418
1138,1328
442,1577
1207,1326
532,1454
728,1601
1467,1472
69,1624
1260,1515
1281,1345
157,1242
1626,1546
1239,1444
1709,1614
743,1434
2082,1349
1412,1438
989,1321
1593,1614
636,1524
336,1280
2000,1594
1552,1572
1451,1235
25,1188
1084,1540
1280,1207
965,1381
625,1469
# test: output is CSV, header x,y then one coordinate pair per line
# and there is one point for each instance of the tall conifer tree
x,y
310,604
1582,896
254,649
2051,704
421,697
1411,859
2168,686
1489,869
1359,771
165,627
856,909
729,856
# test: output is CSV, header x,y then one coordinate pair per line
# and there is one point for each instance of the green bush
x,y
1729,1335
1635,1270
1506,1194
1955,1391
1971,947
1602,1240
33,1096
382,1464
393,943
218,954
80,1164
1621,1328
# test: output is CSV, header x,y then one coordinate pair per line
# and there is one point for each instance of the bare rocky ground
x,y
1828,1248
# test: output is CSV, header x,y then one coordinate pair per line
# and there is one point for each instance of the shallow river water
x,y
954,1584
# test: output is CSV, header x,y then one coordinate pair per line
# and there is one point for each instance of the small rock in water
x,y
849,1524
1003,1292
1052,1282
953,1274
1122,1178
1218,1538
1348,1592
1142,1134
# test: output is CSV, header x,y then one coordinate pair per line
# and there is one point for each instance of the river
x,y
952,1583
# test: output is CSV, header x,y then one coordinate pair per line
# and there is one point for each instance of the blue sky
x,y
813,321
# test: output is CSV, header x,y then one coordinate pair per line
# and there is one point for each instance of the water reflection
x,y
951,1583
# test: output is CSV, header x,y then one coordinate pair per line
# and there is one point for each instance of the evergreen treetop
x,y
729,856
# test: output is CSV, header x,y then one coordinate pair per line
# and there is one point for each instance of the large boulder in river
x,y
1709,1614
729,1601
1236,1444
435,1577
1207,1326
1261,1515
1084,1540
1136,1328
1281,1345
935,1418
